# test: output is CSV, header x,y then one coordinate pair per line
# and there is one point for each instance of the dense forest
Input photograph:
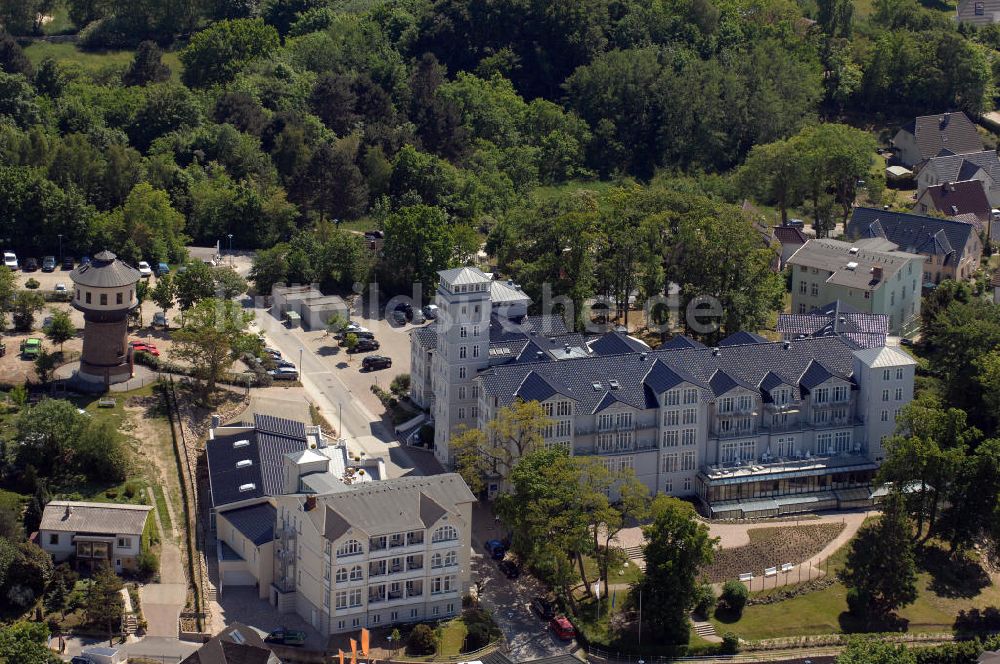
x,y
440,121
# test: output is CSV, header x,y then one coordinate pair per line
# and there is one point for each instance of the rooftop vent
x,y
852,265
244,463
954,209
241,443
598,386
614,384
249,486
642,357
854,251
787,344
539,354
715,351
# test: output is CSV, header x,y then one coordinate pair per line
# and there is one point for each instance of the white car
x,y
10,260
145,270
60,287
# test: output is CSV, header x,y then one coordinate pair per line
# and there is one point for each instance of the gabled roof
x,y
237,644
535,388
863,329
614,343
742,337
954,198
945,133
71,516
915,233
607,401
790,235
662,377
815,374
255,522
678,342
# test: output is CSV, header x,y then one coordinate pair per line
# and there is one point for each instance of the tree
x,y
269,268
880,571
8,287
218,53
104,605
164,292
214,335
332,184
515,432
45,366
972,515
101,450
228,284
421,641
417,245
545,511
61,328
18,100
873,651
46,433
26,305
677,547
166,107
734,597
773,173
12,58
196,283
26,643
146,66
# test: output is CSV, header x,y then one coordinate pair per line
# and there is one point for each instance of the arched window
x,y
450,559
445,534
436,560
349,548
342,575
356,573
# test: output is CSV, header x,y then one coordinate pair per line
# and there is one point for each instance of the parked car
x,y
85,260
49,264
159,319
342,336
162,269
67,263
61,288
31,348
30,264
284,373
796,223
431,311
562,628
10,260
509,569
495,548
273,352
143,347
287,637
144,270
418,317
373,362
545,609
398,317
283,364
364,346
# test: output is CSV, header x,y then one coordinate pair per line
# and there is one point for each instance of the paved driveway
x,y
236,604
161,606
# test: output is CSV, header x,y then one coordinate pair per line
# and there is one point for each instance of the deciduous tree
x,y
515,432
215,55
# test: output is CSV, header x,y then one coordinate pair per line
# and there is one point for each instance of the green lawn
x,y
825,611
93,61
623,574
161,508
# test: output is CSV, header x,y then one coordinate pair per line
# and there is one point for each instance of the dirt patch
x,y
770,547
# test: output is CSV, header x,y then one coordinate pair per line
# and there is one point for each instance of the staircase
x,y
129,624
635,555
705,630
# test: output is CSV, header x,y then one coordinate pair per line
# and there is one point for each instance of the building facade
x,y
93,534
870,275
800,423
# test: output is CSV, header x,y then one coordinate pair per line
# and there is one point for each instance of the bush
x,y
730,644
704,600
426,435
421,641
147,565
478,636
32,283
400,385
734,597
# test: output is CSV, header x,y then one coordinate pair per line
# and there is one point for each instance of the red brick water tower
x,y
105,293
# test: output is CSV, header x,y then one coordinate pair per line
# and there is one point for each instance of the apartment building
x,y
321,533
750,427
871,275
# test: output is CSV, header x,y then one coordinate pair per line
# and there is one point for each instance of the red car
x,y
562,628
143,347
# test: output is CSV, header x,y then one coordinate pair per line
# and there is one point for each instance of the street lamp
x,y
300,363
60,247
230,236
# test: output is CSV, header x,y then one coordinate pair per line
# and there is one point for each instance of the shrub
x,y
704,600
478,636
426,434
421,641
32,283
734,597
147,564
730,643
400,385
131,490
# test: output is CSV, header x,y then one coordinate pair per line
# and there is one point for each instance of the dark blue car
x,y
496,549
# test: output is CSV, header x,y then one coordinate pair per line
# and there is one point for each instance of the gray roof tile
x,y
255,522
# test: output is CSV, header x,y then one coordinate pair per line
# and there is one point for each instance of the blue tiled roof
x,y
915,233
255,522
814,374
679,342
740,338
639,377
615,343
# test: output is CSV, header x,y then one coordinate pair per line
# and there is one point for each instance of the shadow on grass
x,y
852,624
953,577
977,621
726,615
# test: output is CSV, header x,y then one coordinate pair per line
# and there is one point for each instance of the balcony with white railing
x,y
798,461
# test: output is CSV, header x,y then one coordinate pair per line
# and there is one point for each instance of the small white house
x,y
93,533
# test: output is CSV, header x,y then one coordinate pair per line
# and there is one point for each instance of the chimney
x,y
69,511
310,503
539,354
876,274
943,120
642,357
715,351
216,421
787,344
